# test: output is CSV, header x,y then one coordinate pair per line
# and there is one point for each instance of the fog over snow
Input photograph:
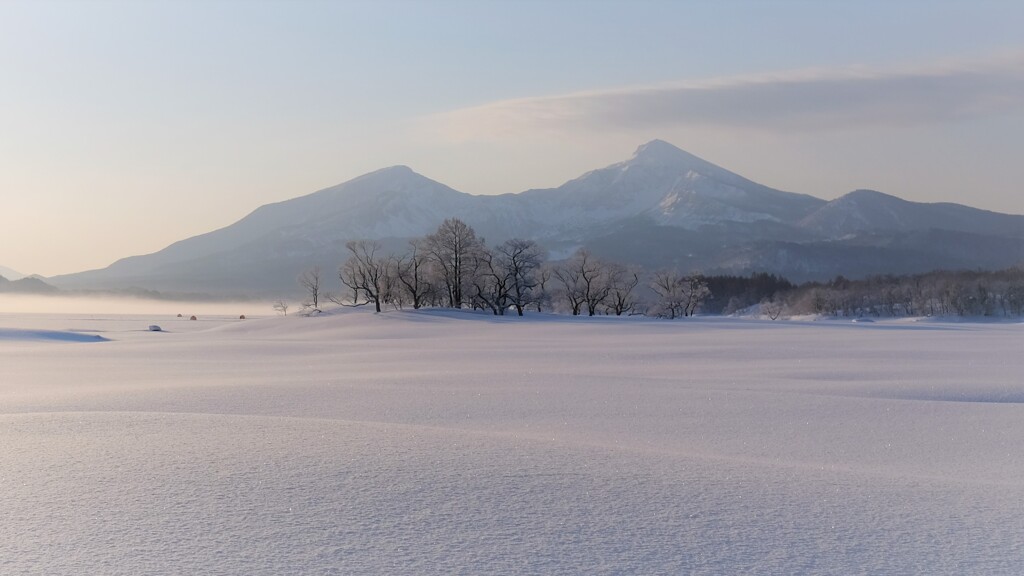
x,y
454,443
78,304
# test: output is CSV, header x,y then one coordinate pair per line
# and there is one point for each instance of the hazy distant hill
x,y
25,285
10,274
662,207
870,211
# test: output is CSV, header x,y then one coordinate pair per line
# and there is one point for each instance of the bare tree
x,y
521,260
489,280
572,287
411,271
584,280
282,307
310,280
392,291
771,308
679,295
621,282
365,272
668,286
697,291
450,248
542,295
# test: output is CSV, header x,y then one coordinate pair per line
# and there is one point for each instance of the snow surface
x,y
445,443
16,335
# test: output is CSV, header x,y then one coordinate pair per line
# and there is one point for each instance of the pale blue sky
x,y
125,126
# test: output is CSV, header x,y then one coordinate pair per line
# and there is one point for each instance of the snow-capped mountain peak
x,y
675,188
661,155
660,152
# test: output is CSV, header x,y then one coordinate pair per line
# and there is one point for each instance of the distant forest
x,y
456,269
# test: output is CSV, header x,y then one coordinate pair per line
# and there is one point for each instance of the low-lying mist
x,y
65,304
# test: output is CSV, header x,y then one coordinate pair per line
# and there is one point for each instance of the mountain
x,y
265,251
662,207
25,285
10,274
870,211
672,188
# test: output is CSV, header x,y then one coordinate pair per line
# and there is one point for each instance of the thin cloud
x,y
806,101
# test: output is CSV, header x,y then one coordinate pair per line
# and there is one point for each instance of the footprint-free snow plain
x,y
449,443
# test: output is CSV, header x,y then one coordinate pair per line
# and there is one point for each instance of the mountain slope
x,y
672,188
356,206
871,211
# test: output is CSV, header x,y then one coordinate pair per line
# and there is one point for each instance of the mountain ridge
x,y
869,210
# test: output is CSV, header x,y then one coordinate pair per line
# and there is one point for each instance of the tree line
x,y
455,268
997,293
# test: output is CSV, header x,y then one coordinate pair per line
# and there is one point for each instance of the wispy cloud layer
x,y
805,100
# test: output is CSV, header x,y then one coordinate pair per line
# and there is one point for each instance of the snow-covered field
x,y
442,443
